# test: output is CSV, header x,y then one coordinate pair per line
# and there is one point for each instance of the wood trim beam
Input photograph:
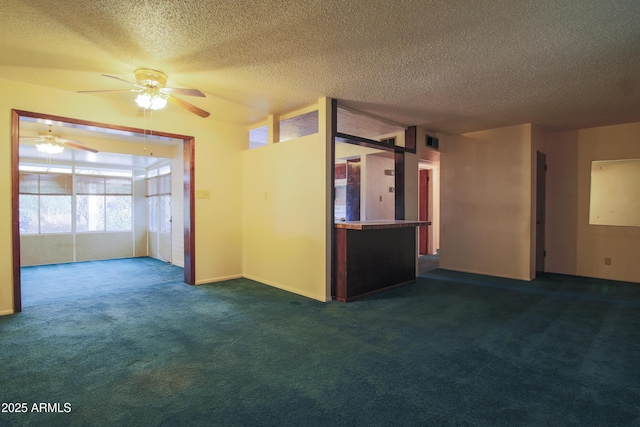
x,y
358,140
189,212
15,210
399,184
410,137
334,131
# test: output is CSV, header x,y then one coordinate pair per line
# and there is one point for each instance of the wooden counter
x,y
370,225
373,256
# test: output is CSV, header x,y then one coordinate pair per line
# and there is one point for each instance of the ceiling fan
x,y
51,143
152,93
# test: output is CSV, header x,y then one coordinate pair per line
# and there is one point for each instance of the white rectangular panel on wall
x,y
615,193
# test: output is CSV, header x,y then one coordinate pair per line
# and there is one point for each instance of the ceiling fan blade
x,y
118,78
79,145
182,91
110,90
180,103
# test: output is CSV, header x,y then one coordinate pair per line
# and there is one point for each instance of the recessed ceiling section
x,y
32,124
30,154
351,122
123,149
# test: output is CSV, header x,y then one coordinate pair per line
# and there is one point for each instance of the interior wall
x,y
574,246
218,169
218,160
140,213
94,246
286,213
380,202
60,248
486,202
562,203
46,249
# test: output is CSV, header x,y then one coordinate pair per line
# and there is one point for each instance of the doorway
x,y
188,143
160,212
425,201
541,181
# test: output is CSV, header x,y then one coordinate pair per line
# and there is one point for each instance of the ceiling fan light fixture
x,y
153,93
49,148
158,102
149,100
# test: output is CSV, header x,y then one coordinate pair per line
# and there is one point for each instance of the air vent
x,y
431,142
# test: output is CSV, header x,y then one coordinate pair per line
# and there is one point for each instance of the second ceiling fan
x,y
152,93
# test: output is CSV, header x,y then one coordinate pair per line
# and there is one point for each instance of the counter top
x,y
370,225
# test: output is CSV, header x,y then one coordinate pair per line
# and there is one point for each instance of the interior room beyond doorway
x,y
105,194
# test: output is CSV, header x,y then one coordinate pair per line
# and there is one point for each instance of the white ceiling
x,y
115,147
450,66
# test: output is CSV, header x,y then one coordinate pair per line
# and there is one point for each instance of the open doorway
x,y
429,210
123,135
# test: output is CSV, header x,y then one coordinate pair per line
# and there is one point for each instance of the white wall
x,y
486,202
286,213
561,229
140,213
380,202
573,245
46,249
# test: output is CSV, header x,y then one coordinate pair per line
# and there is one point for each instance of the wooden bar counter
x,y
373,256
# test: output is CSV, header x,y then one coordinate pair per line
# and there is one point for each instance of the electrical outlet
x,y
607,261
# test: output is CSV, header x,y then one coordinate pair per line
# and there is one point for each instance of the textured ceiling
x,y
450,66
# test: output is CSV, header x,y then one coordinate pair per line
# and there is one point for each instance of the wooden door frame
x,y
188,184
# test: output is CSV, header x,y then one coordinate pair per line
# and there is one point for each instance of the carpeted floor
x,y
125,342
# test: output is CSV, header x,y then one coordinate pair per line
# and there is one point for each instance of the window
x,y
103,203
102,200
299,126
45,202
159,200
259,137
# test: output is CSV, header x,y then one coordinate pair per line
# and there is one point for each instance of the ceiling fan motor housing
x,y
150,78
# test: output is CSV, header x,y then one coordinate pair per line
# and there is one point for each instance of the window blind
x,y
103,185
45,183
159,185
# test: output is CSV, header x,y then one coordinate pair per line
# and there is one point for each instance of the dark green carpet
x,y
127,343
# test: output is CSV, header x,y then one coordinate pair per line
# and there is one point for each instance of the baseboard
x,y
218,279
321,298
6,312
